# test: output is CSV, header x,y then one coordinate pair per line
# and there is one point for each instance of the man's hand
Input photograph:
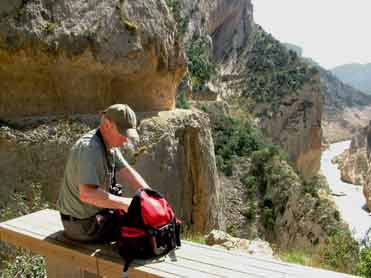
x,y
93,195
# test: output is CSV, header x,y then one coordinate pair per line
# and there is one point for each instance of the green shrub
x,y
200,64
50,27
297,257
181,101
273,70
251,184
21,263
22,203
269,217
234,138
340,252
204,108
25,264
193,236
175,7
364,265
250,211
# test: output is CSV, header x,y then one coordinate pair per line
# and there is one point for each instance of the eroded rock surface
x,y
175,156
353,162
230,29
297,127
257,247
74,56
367,184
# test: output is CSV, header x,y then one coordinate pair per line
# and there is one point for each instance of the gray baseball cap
x,y
124,118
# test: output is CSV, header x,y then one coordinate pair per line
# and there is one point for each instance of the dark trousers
x,y
100,227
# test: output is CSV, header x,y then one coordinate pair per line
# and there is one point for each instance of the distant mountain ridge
x,y
356,75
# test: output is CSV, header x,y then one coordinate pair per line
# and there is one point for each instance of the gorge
x,y
243,152
348,197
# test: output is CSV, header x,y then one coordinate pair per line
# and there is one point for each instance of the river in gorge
x,y
348,197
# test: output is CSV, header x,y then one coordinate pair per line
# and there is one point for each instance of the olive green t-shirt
x,y
87,164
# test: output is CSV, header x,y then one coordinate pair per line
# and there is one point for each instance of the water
x,y
351,202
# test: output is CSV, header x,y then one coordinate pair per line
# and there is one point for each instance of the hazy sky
x,y
332,32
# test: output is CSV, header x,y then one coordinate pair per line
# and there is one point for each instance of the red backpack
x,y
148,229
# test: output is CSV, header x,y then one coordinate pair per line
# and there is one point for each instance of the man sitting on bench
x,y
93,163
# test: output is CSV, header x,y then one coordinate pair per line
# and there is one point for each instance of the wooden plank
x,y
111,266
230,259
41,232
220,270
56,268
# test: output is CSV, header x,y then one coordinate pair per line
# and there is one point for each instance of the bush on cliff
x,y
201,67
341,252
175,7
234,138
364,265
273,71
181,101
22,263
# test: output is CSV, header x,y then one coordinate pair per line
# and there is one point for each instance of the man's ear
x,y
107,123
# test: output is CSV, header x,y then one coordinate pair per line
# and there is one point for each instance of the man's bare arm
x,y
93,195
132,178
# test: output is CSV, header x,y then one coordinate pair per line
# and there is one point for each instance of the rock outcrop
x,y
257,247
290,116
73,56
233,33
303,216
353,163
345,109
175,156
228,23
297,127
266,198
367,185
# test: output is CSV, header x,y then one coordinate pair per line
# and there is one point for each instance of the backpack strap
x,y
111,167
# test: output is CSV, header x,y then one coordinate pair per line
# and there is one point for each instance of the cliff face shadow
x,y
365,208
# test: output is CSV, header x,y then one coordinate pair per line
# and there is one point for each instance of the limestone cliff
x,y
246,57
284,95
71,56
74,56
263,81
228,23
367,184
175,156
345,109
353,163
296,126
60,61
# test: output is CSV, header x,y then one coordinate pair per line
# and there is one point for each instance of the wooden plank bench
x,y
41,232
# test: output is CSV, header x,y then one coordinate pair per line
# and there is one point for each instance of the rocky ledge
x,y
353,163
75,56
175,156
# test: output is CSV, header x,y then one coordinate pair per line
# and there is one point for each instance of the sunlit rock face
x,y
75,56
353,162
229,23
367,185
297,127
175,156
